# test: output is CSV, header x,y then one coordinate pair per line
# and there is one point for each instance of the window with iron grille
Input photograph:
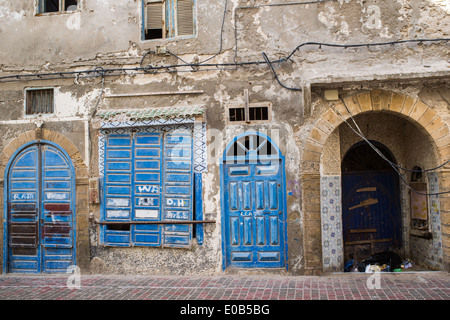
x,y
167,18
45,6
39,101
255,112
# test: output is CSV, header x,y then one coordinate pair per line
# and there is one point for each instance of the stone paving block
x,y
340,286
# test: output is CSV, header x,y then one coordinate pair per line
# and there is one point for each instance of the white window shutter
x,y
185,17
155,15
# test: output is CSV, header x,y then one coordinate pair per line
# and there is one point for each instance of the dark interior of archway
x,y
362,157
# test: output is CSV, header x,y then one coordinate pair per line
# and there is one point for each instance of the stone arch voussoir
x,y
425,118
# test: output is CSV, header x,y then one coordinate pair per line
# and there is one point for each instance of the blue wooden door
x,y
254,211
371,213
40,211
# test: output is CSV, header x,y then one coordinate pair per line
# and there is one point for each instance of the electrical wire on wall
x,y
199,66
276,76
168,68
207,59
396,167
213,66
101,71
286,4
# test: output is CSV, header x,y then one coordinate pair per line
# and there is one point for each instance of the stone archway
x,y
81,184
322,241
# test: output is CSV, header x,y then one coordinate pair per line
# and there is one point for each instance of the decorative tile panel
x,y
166,124
435,255
331,220
200,161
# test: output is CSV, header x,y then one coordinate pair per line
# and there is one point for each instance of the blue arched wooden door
x,y
40,210
253,204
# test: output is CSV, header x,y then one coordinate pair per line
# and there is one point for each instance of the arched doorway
x,y
428,149
40,210
253,203
371,212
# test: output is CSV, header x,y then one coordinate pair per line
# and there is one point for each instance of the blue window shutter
x,y
118,188
147,188
148,177
178,188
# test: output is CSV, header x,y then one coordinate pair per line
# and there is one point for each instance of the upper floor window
x,y
45,6
255,112
39,101
167,18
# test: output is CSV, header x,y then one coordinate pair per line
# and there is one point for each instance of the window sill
x,y
49,14
169,39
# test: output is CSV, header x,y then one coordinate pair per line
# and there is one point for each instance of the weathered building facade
x,y
200,137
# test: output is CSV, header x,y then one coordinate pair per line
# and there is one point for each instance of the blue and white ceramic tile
x,y
331,220
199,143
435,255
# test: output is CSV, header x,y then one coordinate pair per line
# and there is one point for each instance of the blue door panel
x,y
40,211
56,211
269,256
237,256
31,174
239,171
57,173
233,195
254,227
274,231
260,231
58,265
248,230
234,232
24,265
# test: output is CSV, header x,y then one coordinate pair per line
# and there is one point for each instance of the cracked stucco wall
x,y
107,34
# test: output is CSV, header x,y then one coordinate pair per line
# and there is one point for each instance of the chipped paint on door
x,y
40,210
253,196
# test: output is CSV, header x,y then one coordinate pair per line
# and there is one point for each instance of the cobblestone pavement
x,y
342,286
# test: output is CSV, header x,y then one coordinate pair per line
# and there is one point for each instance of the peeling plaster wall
x,y
107,34
279,29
